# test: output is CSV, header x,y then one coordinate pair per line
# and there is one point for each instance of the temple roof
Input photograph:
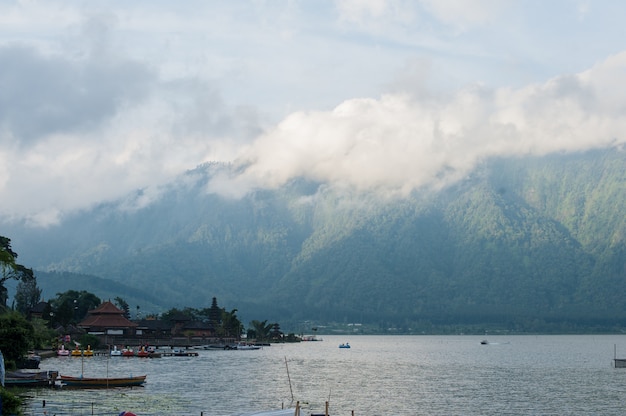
x,y
106,315
106,308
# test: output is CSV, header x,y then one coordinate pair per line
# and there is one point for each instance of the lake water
x,y
379,375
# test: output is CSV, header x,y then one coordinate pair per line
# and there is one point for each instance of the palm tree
x,y
261,330
231,325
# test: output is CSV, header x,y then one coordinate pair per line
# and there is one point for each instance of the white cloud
x,y
373,12
398,143
99,100
465,13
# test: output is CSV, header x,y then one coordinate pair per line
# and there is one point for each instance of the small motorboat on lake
x,y
181,352
244,346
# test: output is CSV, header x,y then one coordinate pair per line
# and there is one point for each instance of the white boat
x,y
115,352
243,346
282,412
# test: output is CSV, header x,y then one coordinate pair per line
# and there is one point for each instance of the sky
x,y
99,99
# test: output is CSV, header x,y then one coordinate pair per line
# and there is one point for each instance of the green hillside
x,y
523,244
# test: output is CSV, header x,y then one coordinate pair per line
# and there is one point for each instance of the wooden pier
x,y
179,354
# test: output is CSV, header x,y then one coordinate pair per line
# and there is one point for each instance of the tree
x,y
261,330
16,335
231,325
10,269
27,295
11,403
72,306
175,313
123,305
63,312
43,335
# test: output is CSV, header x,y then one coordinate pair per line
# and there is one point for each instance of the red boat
x,y
143,352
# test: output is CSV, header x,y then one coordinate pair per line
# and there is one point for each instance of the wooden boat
x,y
100,382
30,378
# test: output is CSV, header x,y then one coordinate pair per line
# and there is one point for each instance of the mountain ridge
x,y
539,238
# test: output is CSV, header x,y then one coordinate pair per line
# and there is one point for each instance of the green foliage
x,y
16,335
175,313
260,330
43,336
28,295
123,305
231,326
72,306
11,404
92,341
226,324
10,269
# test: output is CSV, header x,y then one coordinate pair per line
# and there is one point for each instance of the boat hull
x,y
620,362
30,379
95,382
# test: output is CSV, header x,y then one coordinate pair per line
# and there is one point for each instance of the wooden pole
x,y
326,411
289,378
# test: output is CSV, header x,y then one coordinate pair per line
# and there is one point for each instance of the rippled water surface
x,y
379,375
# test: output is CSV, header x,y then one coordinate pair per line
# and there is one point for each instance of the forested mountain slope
x,y
521,241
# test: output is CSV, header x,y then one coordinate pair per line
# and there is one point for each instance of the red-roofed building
x,y
107,319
